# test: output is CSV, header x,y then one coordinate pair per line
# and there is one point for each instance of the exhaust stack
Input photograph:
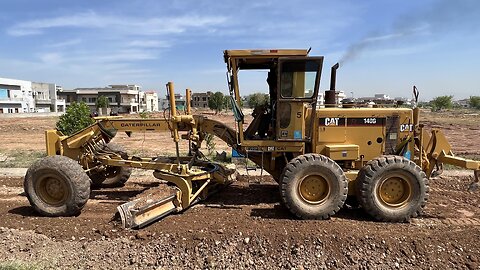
x,y
330,94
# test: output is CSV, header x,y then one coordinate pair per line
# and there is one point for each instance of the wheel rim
x,y
314,189
395,190
52,189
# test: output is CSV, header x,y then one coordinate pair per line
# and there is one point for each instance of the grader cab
x,y
319,155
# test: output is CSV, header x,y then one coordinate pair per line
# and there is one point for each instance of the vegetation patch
x,y
19,159
18,265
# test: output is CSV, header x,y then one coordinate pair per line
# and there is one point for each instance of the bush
x,y
102,102
257,99
77,117
475,102
441,102
216,102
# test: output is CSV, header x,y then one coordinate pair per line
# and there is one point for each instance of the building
x,y
164,103
382,97
148,101
46,99
121,98
200,100
16,96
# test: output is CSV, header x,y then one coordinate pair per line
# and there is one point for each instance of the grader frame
x,y
319,156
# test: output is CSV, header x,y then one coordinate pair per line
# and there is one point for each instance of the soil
x,y
244,226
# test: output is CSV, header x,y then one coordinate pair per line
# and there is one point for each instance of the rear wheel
x,y
112,176
313,186
57,186
392,188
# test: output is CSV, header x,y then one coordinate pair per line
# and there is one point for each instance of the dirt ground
x,y
242,227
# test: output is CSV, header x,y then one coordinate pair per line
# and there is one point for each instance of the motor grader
x,y
319,156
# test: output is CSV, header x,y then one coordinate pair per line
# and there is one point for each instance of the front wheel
x,y
57,186
392,188
313,186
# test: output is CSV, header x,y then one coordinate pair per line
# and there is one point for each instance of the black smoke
x,y
441,17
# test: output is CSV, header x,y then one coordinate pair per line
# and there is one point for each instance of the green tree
x,y
216,102
102,102
441,102
257,99
75,118
474,102
227,103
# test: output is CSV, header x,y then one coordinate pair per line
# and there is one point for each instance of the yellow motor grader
x,y
319,155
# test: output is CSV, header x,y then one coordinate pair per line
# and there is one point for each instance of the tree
x,y
441,102
474,102
75,118
227,103
257,99
216,102
102,102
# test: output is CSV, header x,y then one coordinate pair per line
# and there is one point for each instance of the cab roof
x,y
262,58
266,53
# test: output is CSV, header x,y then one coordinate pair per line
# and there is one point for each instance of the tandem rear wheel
x,y
313,186
392,189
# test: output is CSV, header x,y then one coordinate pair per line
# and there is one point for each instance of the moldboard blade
x,y
137,217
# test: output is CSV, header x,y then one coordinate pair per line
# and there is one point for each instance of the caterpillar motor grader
x,y
383,157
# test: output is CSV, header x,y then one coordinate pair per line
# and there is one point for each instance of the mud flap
x,y
138,217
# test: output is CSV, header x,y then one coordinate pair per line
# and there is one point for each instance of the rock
x,y
246,240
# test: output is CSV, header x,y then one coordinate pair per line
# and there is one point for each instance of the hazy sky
x,y
384,46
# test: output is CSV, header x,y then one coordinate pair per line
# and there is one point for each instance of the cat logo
x,y
406,128
333,121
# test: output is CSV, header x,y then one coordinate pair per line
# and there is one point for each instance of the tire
x,y
112,176
392,189
313,186
57,186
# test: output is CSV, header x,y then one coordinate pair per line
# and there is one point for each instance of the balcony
x,y
43,101
11,100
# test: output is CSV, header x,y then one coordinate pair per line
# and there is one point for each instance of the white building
x,y
16,96
46,99
148,101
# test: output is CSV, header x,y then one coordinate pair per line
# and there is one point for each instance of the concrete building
x,y
121,98
148,101
16,96
200,100
382,97
46,99
164,103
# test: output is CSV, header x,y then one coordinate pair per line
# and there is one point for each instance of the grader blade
x,y
199,182
135,217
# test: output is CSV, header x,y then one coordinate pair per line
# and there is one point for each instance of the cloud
x,y
149,44
130,25
66,43
51,58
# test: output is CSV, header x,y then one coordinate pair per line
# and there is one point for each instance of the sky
x,y
383,46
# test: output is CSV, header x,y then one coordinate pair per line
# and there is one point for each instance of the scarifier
x,y
319,155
